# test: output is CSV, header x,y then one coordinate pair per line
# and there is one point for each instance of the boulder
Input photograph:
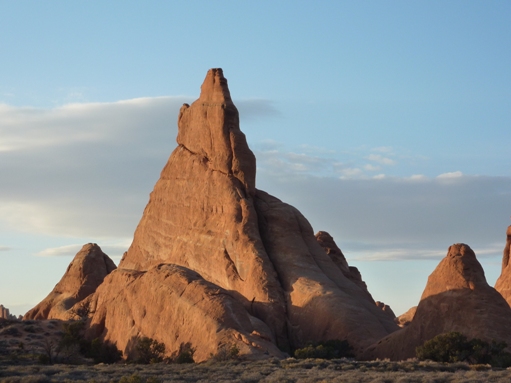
x,y
503,285
180,309
84,274
456,298
206,219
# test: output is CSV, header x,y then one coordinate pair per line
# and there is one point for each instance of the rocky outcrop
x,y
84,274
5,314
405,319
386,309
179,309
456,298
207,228
503,285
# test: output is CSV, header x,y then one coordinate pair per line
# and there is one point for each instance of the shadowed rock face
x,y
84,274
503,285
456,298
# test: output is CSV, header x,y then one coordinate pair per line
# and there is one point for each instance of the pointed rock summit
x,y
214,256
503,285
85,273
456,298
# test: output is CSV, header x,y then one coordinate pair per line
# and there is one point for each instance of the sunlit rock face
x,y
503,285
456,298
84,274
215,261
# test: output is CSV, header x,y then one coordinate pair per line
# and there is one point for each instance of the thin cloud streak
x,y
71,250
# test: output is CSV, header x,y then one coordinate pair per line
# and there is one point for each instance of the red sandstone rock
x,y
214,261
503,285
176,306
205,215
456,298
81,279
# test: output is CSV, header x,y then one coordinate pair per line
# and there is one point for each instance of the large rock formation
x,y
503,285
84,274
207,226
456,298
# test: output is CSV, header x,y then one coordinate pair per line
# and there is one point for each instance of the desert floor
x,y
288,370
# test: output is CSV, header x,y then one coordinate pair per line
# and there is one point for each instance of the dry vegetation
x,y
289,370
20,364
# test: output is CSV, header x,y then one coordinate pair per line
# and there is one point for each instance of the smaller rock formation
x,y
456,298
5,314
405,319
81,279
503,285
386,309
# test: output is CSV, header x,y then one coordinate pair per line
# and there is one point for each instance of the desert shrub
x,y
149,351
185,354
102,352
32,329
455,347
330,349
227,352
135,378
12,331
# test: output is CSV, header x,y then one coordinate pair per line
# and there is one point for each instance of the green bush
x,y
455,347
330,349
149,351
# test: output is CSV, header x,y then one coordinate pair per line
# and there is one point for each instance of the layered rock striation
x,y
84,274
456,298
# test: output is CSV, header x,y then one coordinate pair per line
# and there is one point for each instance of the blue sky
x,y
386,123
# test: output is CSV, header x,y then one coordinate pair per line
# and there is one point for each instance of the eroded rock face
x,y
503,285
84,274
386,309
206,217
178,308
456,298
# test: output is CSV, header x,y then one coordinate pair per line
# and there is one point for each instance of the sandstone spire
x,y
456,298
212,255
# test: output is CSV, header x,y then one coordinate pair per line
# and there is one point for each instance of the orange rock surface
x,y
503,285
176,306
206,215
85,273
215,261
456,298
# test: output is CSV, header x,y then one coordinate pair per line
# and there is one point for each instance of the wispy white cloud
x,y
378,158
450,175
86,170
113,250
